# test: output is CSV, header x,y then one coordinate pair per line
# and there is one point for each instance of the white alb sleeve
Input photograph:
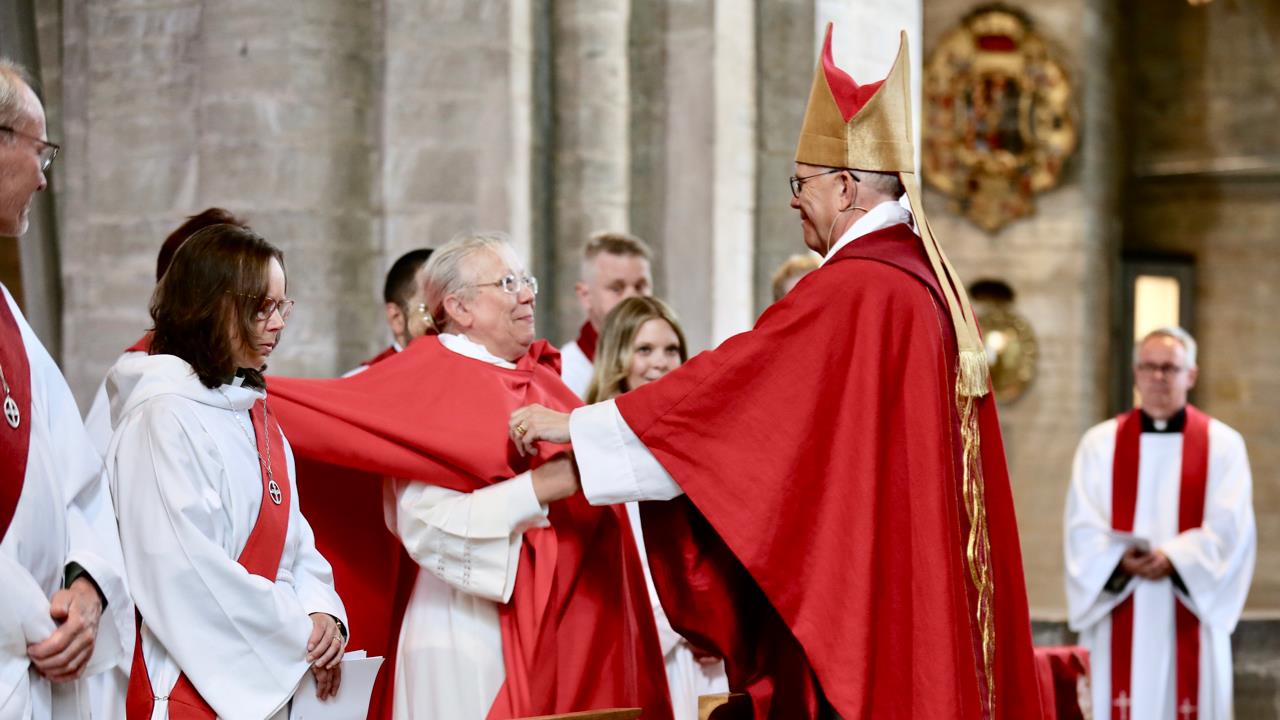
x,y
615,466
469,540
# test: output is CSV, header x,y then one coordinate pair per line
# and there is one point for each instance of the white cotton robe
x,y
62,516
449,657
575,368
97,422
1215,561
108,689
187,484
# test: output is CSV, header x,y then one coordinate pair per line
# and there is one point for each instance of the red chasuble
x,y
260,556
821,544
578,633
1124,500
587,340
15,426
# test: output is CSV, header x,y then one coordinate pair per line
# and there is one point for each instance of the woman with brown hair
x,y
234,602
642,340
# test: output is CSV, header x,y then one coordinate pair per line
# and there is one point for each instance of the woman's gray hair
x,y
443,275
1170,331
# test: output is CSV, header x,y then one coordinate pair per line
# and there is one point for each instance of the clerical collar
x,y
886,214
249,378
1174,424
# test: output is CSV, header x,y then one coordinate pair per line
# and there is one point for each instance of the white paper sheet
x,y
1142,544
352,700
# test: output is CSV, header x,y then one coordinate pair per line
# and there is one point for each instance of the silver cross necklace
x,y
273,489
11,413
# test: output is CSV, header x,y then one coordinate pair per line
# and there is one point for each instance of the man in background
x,y
401,296
615,266
1160,545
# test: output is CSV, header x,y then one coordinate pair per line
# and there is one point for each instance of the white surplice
x,y
107,690
62,516
187,484
97,422
1215,561
575,368
449,656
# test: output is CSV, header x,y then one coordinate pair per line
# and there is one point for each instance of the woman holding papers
x,y
234,602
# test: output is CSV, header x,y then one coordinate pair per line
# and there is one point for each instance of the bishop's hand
x,y
532,423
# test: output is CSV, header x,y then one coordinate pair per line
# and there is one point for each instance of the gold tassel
x,y
973,376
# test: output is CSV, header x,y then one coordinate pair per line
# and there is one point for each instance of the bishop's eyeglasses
x,y
797,183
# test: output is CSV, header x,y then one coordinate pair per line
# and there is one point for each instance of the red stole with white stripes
x,y
1124,500
261,556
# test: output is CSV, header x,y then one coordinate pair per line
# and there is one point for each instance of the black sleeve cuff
x,y
1178,583
1119,578
74,571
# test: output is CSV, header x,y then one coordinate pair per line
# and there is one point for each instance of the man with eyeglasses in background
x,y
57,529
1160,545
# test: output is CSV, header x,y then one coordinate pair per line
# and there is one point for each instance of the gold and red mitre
x,y
868,127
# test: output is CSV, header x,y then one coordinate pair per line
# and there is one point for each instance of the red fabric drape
x,y
261,556
820,454
578,632
1124,500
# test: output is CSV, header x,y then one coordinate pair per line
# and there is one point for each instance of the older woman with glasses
x,y
525,601
234,602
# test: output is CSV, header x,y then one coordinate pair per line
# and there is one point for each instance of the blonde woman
x,y
642,341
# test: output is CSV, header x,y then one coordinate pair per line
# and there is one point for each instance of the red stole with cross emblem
x,y
261,556
15,427
1124,500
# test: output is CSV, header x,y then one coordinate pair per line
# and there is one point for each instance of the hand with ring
x,y
533,423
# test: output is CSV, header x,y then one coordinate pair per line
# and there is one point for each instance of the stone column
x,y
590,161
